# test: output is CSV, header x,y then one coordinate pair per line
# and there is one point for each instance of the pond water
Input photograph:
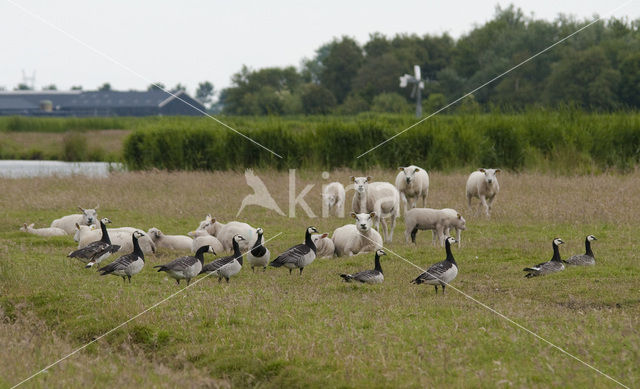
x,y
22,169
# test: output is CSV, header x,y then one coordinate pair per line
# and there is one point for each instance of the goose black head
x,y
259,231
591,238
557,241
238,238
105,220
311,230
451,240
380,252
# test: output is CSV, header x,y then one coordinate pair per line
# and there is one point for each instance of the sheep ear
x,y
352,178
31,225
208,217
416,170
369,178
498,170
353,215
401,168
481,170
77,226
24,225
372,214
81,209
323,236
97,206
459,216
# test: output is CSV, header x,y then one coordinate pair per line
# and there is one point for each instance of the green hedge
x,y
566,140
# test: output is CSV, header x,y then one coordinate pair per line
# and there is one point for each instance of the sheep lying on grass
x,y
357,238
171,242
333,196
226,232
47,231
483,184
324,246
68,223
413,183
202,238
440,221
380,198
88,234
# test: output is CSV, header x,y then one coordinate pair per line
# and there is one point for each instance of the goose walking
x,y
259,254
128,264
226,267
96,252
374,276
441,273
187,267
586,259
553,266
298,256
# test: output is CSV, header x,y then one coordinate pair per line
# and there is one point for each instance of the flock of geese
x,y
296,257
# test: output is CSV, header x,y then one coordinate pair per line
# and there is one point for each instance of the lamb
x,y
171,242
438,220
357,238
452,219
483,184
226,232
380,198
88,234
202,238
333,196
46,232
68,223
412,182
324,246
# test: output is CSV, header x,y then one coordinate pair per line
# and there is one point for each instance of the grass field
x,y
273,330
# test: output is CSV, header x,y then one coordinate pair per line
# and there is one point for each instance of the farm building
x,y
98,103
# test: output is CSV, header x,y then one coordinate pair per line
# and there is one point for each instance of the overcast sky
x,y
191,41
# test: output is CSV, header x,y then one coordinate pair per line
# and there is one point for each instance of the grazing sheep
x,y
333,196
46,232
203,238
357,238
76,236
438,220
68,223
381,198
324,246
483,184
87,235
171,242
452,219
226,232
413,183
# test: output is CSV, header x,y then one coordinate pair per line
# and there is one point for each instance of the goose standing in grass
x,y
187,267
96,251
298,256
259,254
227,266
586,259
441,273
374,276
553,266
129,264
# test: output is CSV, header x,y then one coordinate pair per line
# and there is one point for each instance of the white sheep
x,y
413,183
357,238
483,184
333,196
324,246
452,219
226,231
46,232
88,234
171,242
425,219
93,227
68,223
381,198
202,238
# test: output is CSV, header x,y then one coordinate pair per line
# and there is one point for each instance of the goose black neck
x,y
447,247
556,253
236,251
377,262
200,253
105,234
308,241
258,241
587,245
136,247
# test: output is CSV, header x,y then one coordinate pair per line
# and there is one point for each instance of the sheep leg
x,y
458,232
413,234
403,197
393,226
386,229
483,201
490,204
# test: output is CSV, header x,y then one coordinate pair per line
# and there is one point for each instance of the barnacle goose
x,y
374,276
553,266
442,272
298,256
128,264
227,266
586,259
96,251
259,254
187,267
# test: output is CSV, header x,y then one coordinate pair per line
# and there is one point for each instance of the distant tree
x,y
434,102
106,87
341,67
22,86
178,88
156,86
352,105
50,87
205,92
377,45
630,80
377,75
311,69
316,99
390,102
76,87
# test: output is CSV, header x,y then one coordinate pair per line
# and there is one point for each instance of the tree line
x,y
598,69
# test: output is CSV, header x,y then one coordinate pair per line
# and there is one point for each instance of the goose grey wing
x,y
367,276
119,264
179,263
581,260
293,255
435,271
217,264
89,251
